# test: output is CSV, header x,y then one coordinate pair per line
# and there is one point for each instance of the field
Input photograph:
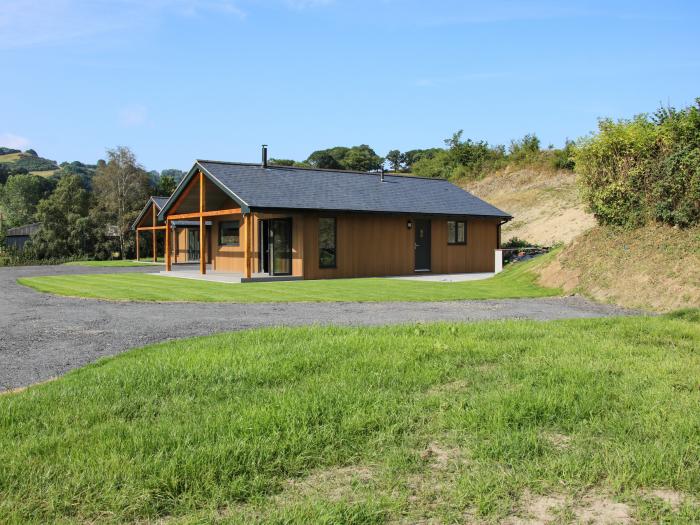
x,y
10,157
517,280
490,422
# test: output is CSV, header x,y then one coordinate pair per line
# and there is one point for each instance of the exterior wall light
x,y
409,224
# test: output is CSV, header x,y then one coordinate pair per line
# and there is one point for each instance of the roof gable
x,y
158,202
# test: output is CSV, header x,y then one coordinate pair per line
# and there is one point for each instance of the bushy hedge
x,y
644,169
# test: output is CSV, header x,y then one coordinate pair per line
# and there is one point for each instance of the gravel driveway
x,y
42,336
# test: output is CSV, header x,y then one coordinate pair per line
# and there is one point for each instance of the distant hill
x,y
28,161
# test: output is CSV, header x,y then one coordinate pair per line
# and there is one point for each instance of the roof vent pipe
x,y
381,174
264,155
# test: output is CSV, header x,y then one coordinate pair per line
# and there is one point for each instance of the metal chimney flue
x,y
264,155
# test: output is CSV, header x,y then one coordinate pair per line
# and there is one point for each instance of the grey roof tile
x,y
295,188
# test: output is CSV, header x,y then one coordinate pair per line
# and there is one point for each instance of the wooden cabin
x,y
148,227
268,220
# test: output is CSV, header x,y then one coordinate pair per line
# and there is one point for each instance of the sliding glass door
x,y
280,246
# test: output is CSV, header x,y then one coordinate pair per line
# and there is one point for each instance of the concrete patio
x,y
192,272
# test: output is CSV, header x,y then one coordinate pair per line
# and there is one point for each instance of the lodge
x,y
269,221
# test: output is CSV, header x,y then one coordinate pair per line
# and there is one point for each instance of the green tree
x,y
20,196
166,185
328,158
66,228
395,159
362,158
527,148
438,165
176,174
410,157
283,162
121,187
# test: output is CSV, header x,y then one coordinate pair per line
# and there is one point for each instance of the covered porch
x,y
235,243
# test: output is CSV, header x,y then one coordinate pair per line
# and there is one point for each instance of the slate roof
x,y
279,187
158,201
23,231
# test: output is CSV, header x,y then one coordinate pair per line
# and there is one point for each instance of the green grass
x,y
454,422
516,281
110,264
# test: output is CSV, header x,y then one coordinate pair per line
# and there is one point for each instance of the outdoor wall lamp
x,y
409,224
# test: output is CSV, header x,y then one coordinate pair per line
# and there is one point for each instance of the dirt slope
x,y
546,205
655,267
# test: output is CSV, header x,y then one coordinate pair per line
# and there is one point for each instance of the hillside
x,y
545,204
654,267
16,160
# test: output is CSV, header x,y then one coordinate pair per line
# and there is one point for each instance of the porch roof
x,y
158,202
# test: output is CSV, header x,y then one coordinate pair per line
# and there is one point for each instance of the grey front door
x,y
422,242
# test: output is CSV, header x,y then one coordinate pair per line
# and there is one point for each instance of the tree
x,y
410,157
283,162
166,185
176,174
20,196
325,159
395,159
121,187
66,228
362,158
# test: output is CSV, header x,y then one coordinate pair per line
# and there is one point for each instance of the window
x,y
456,232
229,233
326,242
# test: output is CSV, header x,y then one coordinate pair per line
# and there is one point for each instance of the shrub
x,y
643,169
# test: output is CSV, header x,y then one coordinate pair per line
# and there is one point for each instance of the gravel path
x,y
42,336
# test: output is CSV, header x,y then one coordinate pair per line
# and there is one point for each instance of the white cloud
x,y
133,116
10,140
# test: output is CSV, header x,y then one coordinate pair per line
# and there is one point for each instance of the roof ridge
x,y
305,168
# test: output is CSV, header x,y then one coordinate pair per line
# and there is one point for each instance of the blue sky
x,y
177,80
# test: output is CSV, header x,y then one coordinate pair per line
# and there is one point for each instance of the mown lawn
x,y
516,281
110,264
454,422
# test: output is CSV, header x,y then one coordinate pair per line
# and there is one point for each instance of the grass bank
x,y
453,422
654,267
517,280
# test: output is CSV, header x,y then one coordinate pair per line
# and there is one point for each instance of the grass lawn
x,y
517,280
455,422
110,264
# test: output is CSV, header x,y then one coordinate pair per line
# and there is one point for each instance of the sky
x,y
178,80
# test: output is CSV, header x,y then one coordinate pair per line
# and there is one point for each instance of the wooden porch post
x,y
176,246
248,245
153,234
202,227
168,266
138,234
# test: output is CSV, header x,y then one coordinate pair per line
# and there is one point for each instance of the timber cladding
x,y
367,245
370,245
